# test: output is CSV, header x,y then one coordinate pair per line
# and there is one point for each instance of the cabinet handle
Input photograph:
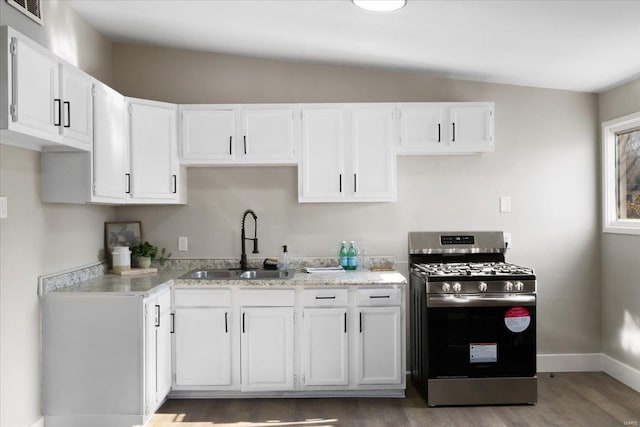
x,y
128,175
341,183
345,322
58,107
68,105
157,316
355,182
454,132
379,296
438,132
226,323
328,297
230,145
243,322
360,322
245,144
173,323
175,184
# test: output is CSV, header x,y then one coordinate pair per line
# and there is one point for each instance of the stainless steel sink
x,y
238,274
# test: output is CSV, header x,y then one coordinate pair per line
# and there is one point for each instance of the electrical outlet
x,y
505,204
508,241
3,207
183,243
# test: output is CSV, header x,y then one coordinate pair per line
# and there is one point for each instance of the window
x,y
621,173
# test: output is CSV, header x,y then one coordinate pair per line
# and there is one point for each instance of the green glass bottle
x,y
344,260
352,256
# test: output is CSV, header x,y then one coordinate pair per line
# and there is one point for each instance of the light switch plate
x,y
183,243
3,207
505,204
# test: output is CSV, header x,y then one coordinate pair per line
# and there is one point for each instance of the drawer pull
x,y
226,323
327,297
379,296
345,322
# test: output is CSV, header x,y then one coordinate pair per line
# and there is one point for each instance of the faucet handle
x,y
255,246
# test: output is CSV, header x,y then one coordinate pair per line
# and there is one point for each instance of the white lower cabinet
x,y
267,348
379,349
326,347
105,358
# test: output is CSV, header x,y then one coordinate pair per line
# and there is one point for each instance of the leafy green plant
x,y
145,249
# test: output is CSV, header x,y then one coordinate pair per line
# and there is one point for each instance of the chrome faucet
x,y
243,257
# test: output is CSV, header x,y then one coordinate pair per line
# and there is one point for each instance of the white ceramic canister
x,y
121,259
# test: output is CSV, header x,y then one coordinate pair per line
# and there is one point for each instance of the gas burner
x,y
474,269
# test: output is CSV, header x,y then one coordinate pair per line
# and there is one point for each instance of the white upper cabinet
x,y
44,101
446,128
238,134
155,169
76,95
347,153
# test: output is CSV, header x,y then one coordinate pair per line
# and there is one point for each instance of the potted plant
x,y
144,253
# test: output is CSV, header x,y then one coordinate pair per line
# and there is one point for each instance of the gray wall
x,y
621,258
40,238
546,159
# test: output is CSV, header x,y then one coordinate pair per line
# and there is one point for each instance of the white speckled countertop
x,y
146,285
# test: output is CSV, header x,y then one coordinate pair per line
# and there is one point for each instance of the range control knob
x,y
519,286
482,287
446,287
508,286
457,287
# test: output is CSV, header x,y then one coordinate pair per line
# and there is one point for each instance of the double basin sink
x,y
221,274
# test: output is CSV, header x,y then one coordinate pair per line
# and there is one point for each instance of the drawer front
x,y
379,296
325,297
202,298
267,297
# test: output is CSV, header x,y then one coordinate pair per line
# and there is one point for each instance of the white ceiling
x,y
575,45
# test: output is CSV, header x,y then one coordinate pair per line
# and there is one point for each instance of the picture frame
x,y
121,233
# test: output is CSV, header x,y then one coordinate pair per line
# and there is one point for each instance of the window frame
x,y
611,223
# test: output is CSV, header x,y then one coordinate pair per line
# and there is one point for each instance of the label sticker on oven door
x,y
517,319
483,352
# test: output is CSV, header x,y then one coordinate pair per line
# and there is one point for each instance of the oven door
x,y
481,336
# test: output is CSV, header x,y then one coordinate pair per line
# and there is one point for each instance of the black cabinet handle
x,y
454,132
245,144
243,322
345,322
128,175
379,296
321,297
175,184
355,182
68,105
57,101
230,145
438,132
360,322
157,316
341,183
226,323
173,323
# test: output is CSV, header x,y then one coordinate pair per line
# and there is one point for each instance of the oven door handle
x,y
480,300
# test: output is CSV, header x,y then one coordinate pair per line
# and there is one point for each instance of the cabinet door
x,y
321,170
373,156
150,376
75,92
163,350
325,349
203,346
36,103
421,128
109,179
207,134
380,342
268,135
154,154
266,348
471,126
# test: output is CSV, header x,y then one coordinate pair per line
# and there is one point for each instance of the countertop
x,y
148,284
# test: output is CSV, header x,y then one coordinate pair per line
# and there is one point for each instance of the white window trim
x,y
611,223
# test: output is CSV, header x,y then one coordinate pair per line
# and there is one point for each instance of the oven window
x,y
479,342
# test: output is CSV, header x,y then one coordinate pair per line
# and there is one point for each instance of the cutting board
x,y
135,271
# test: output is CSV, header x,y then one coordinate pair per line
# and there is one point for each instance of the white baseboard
x,y
39,423
590,362
581,362
623,373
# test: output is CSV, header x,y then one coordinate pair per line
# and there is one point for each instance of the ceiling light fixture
x,y
380,5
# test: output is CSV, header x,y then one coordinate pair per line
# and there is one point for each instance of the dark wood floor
x,y
565,399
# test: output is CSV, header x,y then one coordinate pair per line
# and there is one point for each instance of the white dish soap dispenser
x,y
284,261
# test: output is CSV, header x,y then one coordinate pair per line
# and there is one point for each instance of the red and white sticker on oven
x,y
517,319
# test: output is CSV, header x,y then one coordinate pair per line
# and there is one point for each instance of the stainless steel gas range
x,y
472,320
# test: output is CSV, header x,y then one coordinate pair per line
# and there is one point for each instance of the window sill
x,y
623,227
